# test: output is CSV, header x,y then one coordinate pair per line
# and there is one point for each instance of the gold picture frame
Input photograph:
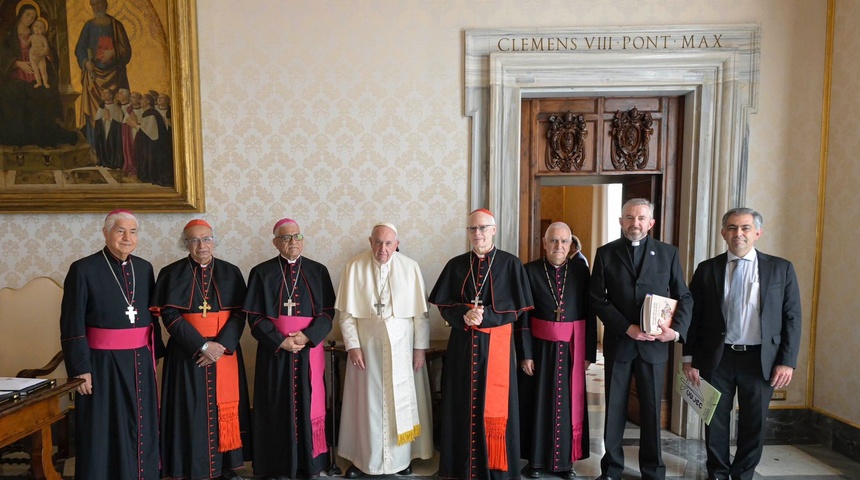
x,y
74,178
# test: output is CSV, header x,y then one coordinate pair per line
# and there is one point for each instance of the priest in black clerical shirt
x,y
624,271
205,420
110,340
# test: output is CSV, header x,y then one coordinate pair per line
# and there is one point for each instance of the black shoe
x,y
229,474
353,472
568,475
534,473
406,471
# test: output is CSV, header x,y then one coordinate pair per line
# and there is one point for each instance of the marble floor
x,y
685,459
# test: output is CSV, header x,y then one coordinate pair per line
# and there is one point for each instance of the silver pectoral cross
x,y
290,304
131,312
477,301
379,306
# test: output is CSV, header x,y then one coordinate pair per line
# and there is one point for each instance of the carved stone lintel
x,y
631,132
565,146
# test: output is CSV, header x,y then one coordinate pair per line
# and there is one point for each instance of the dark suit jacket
x,y
780,313
617,294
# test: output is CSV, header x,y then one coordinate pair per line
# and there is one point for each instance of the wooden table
x,y
32,416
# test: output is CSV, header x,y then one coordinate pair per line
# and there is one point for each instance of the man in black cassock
x,y
204,394
111,340
556,342
290,305
480,294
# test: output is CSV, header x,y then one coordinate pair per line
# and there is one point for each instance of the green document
x,y
703,398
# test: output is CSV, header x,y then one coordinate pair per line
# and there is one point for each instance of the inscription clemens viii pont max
x,y
623,42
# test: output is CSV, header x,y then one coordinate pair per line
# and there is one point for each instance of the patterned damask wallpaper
x,y
341,113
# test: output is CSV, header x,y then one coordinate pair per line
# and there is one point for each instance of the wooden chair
x,y
32,313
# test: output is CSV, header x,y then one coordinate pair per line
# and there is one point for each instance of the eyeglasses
x,y
197,241
479,228
286,238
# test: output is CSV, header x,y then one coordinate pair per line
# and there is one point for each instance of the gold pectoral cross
x,y
557,314
205,307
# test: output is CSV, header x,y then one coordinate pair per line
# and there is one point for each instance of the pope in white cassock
x,y
386,419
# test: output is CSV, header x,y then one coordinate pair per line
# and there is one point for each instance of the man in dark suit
x,y
744,337
624,271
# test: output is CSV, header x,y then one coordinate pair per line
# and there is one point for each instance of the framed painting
x,y
99,106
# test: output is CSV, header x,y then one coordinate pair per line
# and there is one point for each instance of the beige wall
x,y
838,334
339,113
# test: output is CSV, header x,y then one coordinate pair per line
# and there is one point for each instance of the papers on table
x,y
24,386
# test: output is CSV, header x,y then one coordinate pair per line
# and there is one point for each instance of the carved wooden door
x,y
634,141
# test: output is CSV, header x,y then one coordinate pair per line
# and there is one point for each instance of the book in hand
x,y
656,308
25,386
703,398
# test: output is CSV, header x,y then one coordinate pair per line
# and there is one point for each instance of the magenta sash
x,y
118,339
573,332
316,356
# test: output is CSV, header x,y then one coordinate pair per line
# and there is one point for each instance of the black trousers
x,y
737,372
649,388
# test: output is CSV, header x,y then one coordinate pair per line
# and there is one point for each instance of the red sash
x,y
316,357
573,332
226,380
496,396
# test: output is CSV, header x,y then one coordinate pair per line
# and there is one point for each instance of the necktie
x,y
736,304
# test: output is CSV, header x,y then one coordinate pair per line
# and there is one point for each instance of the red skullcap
x,y
483,210
195,222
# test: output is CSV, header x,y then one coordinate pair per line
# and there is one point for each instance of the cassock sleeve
x,y
181,331
349,330
158,345
76,349
323,307
678,290
231,332
590,322
421,329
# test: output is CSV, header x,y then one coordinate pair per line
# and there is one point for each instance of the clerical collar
x,y
636,243
291,261
554,265
121,262
198,264
480,255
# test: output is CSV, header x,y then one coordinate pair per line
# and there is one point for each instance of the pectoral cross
x,y
205,307
477,301
557,314
379,307
130,312
290,304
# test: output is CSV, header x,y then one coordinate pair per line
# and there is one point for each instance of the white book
x,y
654,309
24,385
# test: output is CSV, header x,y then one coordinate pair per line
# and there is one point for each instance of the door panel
x,y
553,125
